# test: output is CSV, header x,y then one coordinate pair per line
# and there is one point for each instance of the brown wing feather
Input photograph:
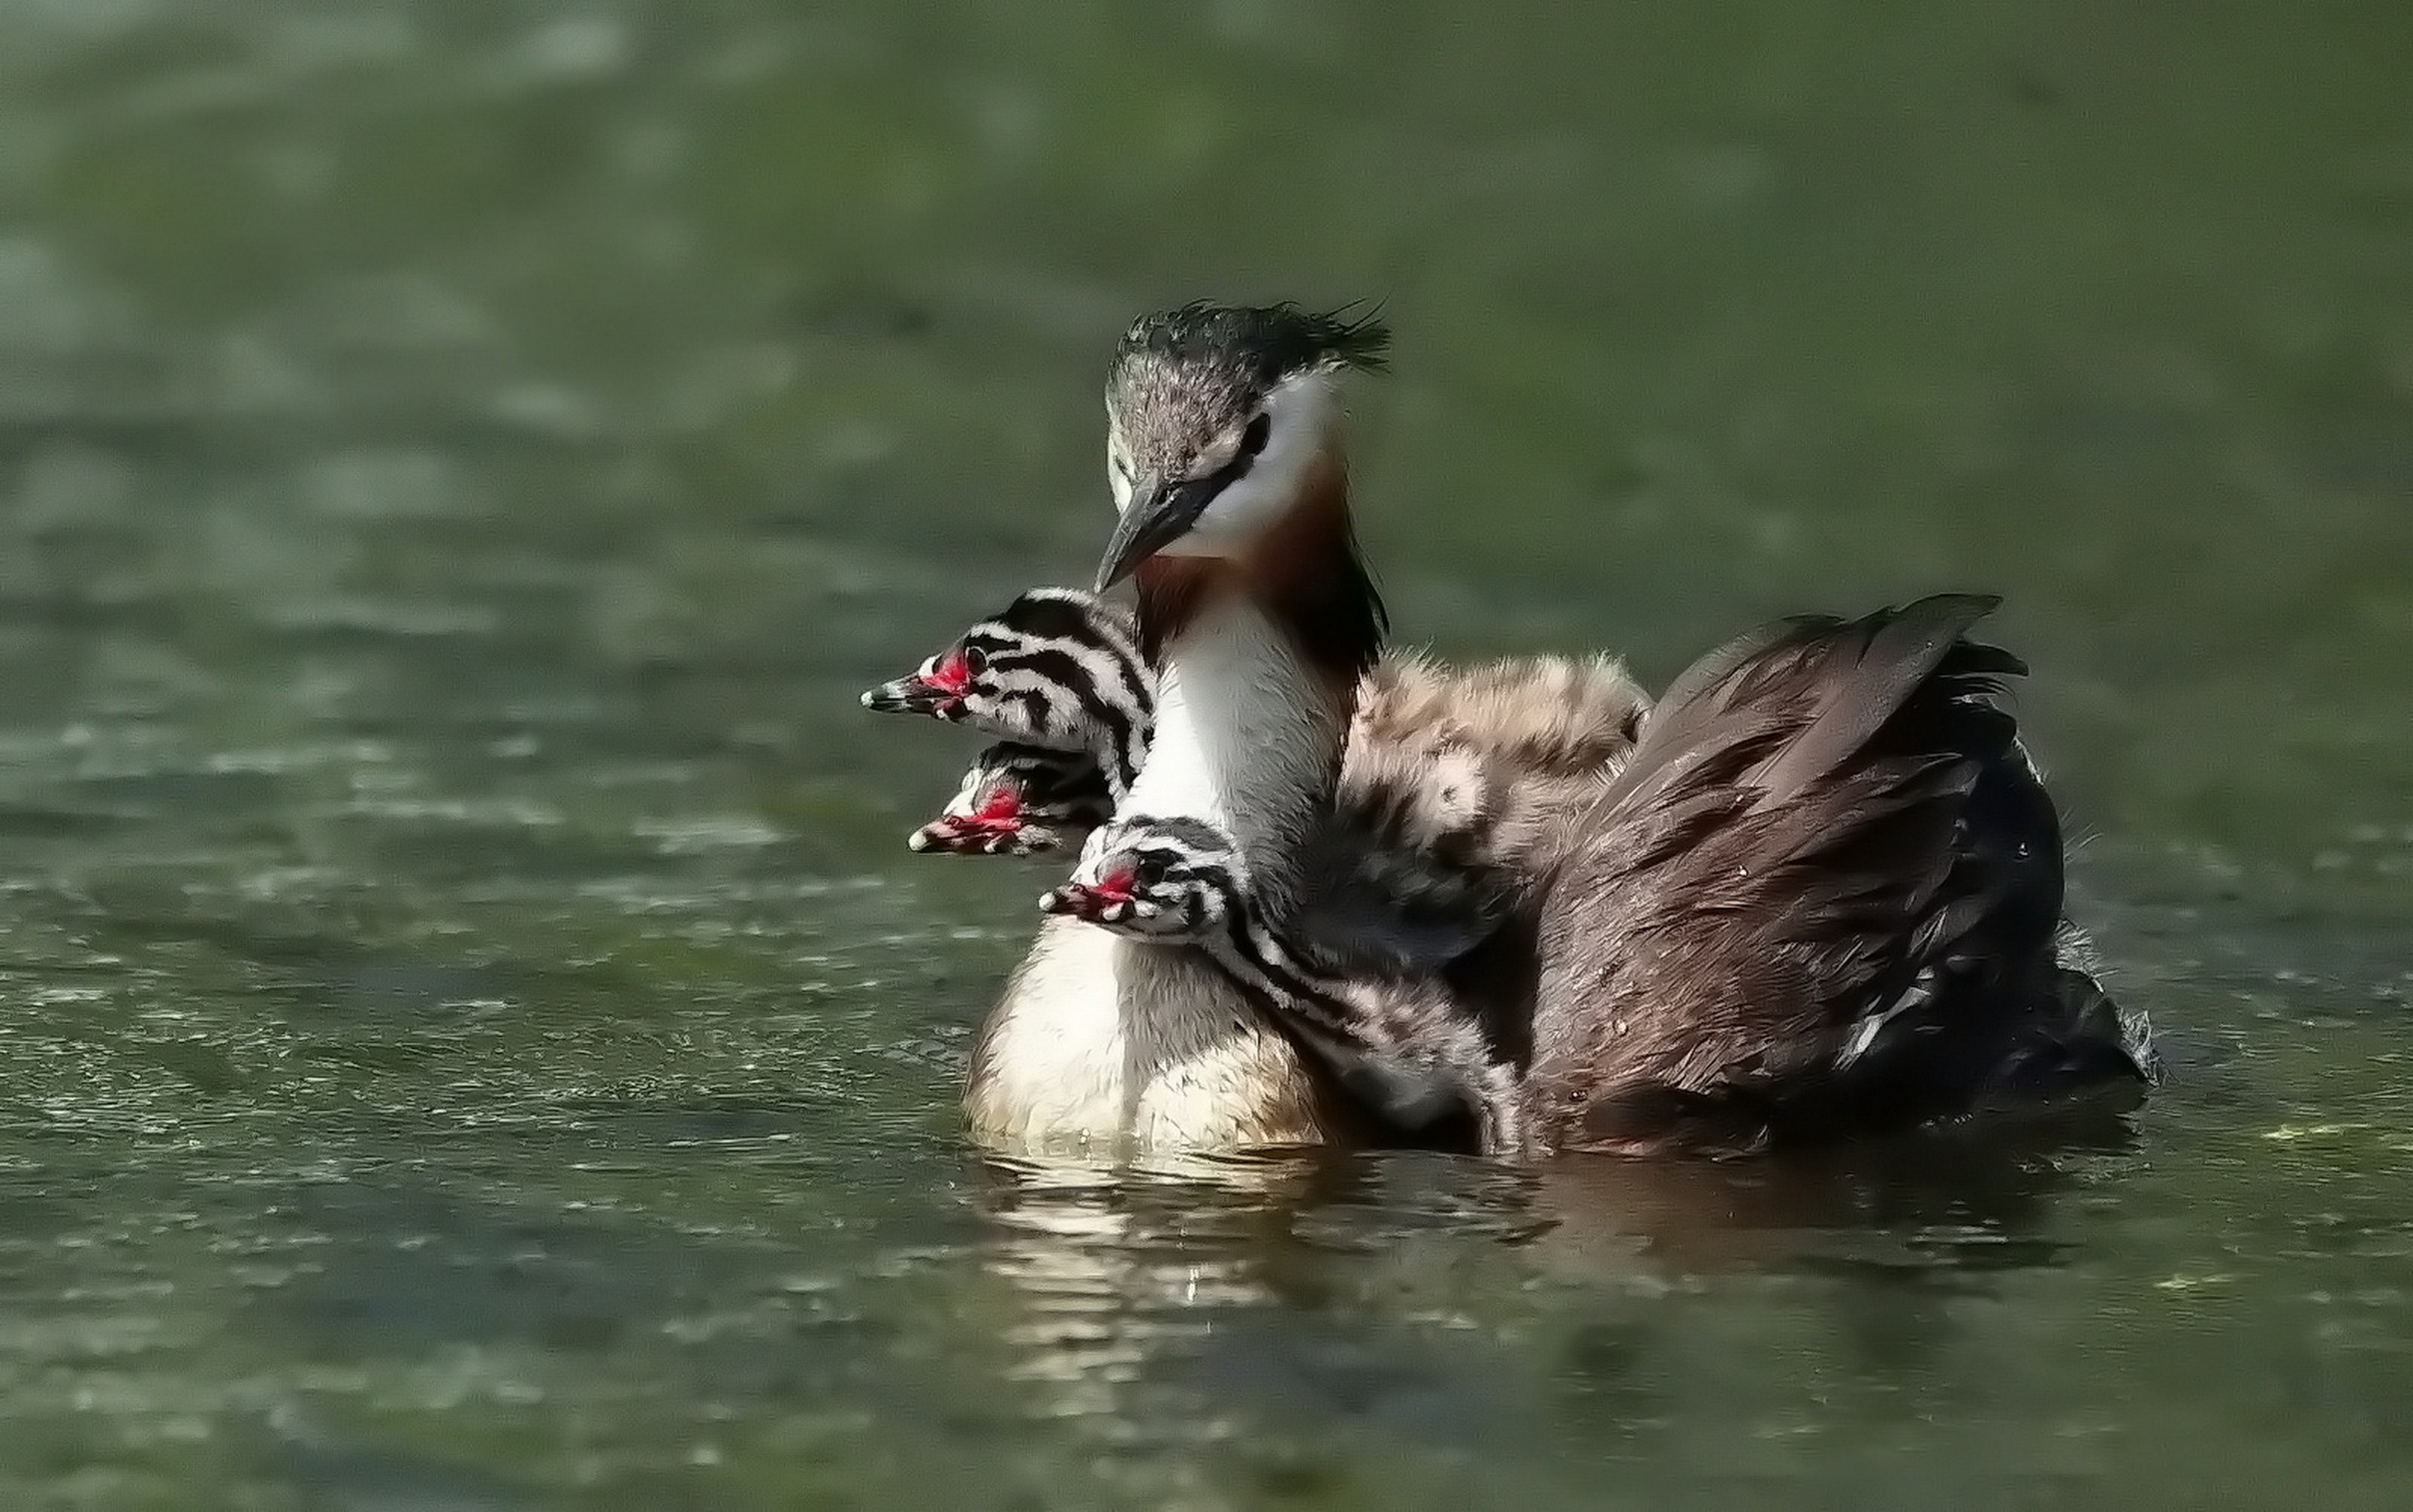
x,y
1888,661
1786,859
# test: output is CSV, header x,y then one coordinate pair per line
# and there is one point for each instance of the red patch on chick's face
x,y
997,819
950,673
1093,901
1002,805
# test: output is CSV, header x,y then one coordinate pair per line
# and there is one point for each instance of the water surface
x,y
478,1040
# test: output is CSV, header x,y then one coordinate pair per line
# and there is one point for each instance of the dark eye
x,y
1253,439
974,659
1149,871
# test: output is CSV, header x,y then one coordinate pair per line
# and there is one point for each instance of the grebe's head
x,y
1171,881
1215,416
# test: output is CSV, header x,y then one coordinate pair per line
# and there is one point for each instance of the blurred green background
x,y
478,1041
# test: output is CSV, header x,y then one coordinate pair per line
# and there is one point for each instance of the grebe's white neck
x,y
1247,735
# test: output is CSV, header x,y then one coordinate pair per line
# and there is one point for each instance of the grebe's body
x,y
1104,1048
1822,899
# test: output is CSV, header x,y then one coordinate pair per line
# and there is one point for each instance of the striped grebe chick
x,y
1057,669
1020,801
1406,1048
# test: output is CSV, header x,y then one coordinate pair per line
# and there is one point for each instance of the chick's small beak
x,y
1109,898
915,695
1160,514
1070,897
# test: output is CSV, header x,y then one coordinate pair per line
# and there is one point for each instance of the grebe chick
x,y
1057,669
1019,801
1406,1048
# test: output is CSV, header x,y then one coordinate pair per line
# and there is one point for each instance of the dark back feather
x,y
1891,658
1822,891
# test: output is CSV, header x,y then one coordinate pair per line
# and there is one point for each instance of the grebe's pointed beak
x,y
1160,514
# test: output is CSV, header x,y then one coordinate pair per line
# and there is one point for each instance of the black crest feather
x,y
1275,341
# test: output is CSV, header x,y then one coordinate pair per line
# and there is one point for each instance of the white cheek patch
x,y
1118,471
1301,412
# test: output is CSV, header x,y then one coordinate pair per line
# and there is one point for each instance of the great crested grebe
x,y
1649,1011
1832,900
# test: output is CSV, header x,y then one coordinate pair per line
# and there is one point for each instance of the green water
x,y
477,1040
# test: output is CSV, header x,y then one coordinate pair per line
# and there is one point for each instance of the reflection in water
x,y
1978,1198
1126,1285
1115,1273
1215,1332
